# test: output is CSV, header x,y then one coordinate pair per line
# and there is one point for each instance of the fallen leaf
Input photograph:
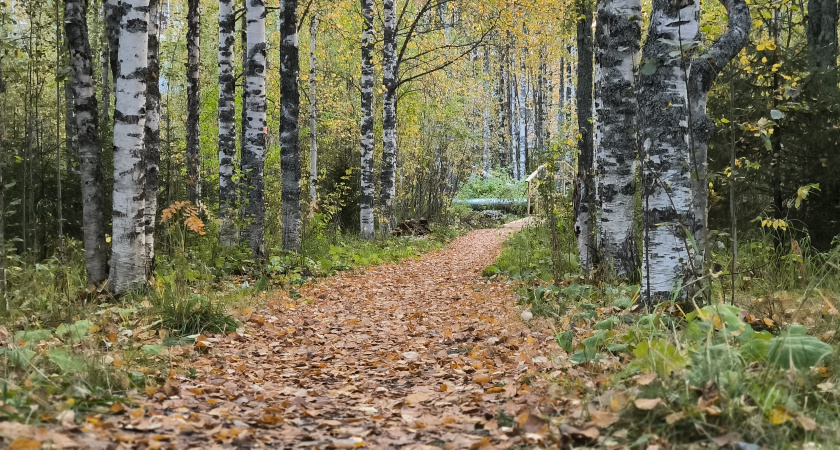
x,y
673,418
807,423
645,380
647,404
778,415
603,419
418,397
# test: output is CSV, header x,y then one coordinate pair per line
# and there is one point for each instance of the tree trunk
x,y
152,136
290,166
822,41
128,257
5,299
113,10
71,138
105,64
193,102
675,135
313,114
501,129
585,182
617,41
253,152
487,133
228,234
515,139
366,197
523,118
90,149
59,207
389,119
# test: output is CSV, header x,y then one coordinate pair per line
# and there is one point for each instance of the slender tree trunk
x,y
128,257
675,136
105,64
523,117
389,119
253,152
485,117
71,138
193,102
618,37
59,207
228,233
515,140
5,299
366,197
290,165
313,114
822,41
113,10
152,135
90,149
501,129
585,182
243,190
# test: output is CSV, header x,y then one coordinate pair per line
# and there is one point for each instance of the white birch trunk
x,y
367,185
313,114
585,182
389,119
675,134
617,40
193,102
87,132
228,233
253,153
128,257
523,121
151,162
290,161
489,99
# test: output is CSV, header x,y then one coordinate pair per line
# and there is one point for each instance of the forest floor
x,y
422,354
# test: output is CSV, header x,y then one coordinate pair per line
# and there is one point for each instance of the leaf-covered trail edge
x,y
422,353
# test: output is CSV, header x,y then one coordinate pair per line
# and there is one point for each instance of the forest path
x,y
411,355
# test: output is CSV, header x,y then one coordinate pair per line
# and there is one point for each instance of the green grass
x,y
767,370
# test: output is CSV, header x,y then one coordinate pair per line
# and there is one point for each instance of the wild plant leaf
x,y
19,357
65,361
152,349
565,340
607,324
33,336
803,352
76,331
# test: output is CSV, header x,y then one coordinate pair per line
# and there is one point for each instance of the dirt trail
x,y
422,353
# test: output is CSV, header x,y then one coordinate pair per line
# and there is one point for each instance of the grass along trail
x,y
422,354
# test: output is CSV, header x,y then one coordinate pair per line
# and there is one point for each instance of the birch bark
x,y
152,136
389,119
193,102
228,234
313,113
675,134
128,256
253,151
585,181
367,185
87,132
618,36
290,164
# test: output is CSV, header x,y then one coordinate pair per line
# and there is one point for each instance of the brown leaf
x,y
417,397
645,380
673,418
603,419
807,423
647,404
25,444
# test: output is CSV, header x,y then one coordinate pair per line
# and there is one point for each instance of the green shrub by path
x,y
765,371
499,185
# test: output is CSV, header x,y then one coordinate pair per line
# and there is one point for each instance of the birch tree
x,y
675,137
389,118
366,197
313,113
618,36
151,161
821,33
253,152
5,299
290,164
113,17
585,182
90,149
227,124
128,257
193,102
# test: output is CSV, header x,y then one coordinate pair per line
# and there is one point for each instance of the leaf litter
x,y
422,354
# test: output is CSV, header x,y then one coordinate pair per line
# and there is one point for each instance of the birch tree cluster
x,y
270,116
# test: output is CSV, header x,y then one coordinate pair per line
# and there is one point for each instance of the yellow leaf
x,y
759,48
779,415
